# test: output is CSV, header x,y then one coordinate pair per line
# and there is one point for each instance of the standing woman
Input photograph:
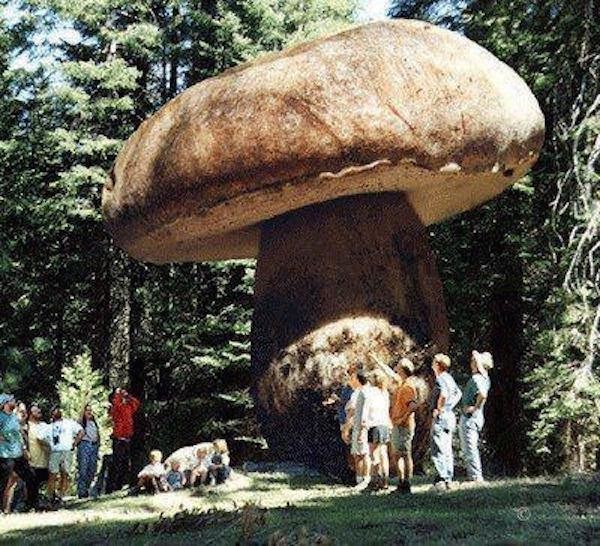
x,y
376,419
87,452
471,419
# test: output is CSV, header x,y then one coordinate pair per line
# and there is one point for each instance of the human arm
x,y
387,370
478,403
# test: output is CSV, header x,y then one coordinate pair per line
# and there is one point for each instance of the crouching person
x,y
152,478
219,469
471,419
199,474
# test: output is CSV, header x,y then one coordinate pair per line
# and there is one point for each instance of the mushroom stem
x,y
346,281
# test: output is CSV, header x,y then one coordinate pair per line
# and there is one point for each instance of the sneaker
x,y
362,485
439,486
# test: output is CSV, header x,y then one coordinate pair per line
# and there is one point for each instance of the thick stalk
x,y
345,281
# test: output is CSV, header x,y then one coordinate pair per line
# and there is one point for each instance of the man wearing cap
x,y
445,396
12,458
471,419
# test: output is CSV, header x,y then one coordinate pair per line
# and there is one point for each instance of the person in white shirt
x,y
152,478
376,420
359,444
62,436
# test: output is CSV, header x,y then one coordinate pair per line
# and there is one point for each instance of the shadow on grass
x,y
513,513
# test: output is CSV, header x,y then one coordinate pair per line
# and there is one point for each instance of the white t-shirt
x,y
376,412
153,470
186,456
61,434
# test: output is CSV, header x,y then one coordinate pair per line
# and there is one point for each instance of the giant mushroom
x,y
326,162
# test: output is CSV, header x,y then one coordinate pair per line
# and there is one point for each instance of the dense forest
x,y
521,274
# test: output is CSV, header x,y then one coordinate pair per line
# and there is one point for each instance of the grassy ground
x,y
277,510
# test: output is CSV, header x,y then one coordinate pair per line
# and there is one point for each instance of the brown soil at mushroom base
x,y
348,281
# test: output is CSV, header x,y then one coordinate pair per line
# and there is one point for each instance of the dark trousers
x,y
120,467
41,476
21,468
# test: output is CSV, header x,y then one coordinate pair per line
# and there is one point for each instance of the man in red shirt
x,y
123,408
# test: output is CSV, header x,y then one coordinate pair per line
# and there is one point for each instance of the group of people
x,y
377,410
34,453
206,463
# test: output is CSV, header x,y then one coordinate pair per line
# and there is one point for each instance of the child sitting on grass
x,y
175,477
219,469
152,477
200,471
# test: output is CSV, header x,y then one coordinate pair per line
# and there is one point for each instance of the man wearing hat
x,y
471,419
12,459
445,396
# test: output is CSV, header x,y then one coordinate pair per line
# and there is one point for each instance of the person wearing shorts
x,y
62,436
404,404
376,420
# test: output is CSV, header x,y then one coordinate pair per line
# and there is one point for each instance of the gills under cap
x,y
399,106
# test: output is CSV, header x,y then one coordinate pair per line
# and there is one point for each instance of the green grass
x,y
306,511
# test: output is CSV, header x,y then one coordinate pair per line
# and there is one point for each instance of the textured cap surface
x,y
389,106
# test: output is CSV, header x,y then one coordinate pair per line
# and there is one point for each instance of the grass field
x,y
278,510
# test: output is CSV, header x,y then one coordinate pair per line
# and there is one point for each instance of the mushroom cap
x,y
389,106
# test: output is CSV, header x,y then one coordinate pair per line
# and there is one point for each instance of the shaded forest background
x,y
521,274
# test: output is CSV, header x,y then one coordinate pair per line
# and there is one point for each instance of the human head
x,y
56,413
175,465
379,380
155,456
220,446
202,452
440,363
35,413
7,403
405,368
88,413
361,377
481,362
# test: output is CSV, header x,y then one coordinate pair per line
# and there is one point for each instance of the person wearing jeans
x,y
446,395
471,419
124,407
87,452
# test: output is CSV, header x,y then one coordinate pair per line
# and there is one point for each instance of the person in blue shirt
x,y
445,396
12,455
471,419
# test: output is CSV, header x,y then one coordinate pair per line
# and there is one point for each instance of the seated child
x,y
219,469
200,471
152,477
175,476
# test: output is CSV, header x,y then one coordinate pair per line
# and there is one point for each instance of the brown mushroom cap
x,y
389,106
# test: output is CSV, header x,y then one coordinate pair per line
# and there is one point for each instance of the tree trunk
x,y
347,281
119,344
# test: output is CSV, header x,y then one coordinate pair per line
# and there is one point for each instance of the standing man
x,y
62,436
39,453
402,413
12,455
471,419
123,408
445,396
